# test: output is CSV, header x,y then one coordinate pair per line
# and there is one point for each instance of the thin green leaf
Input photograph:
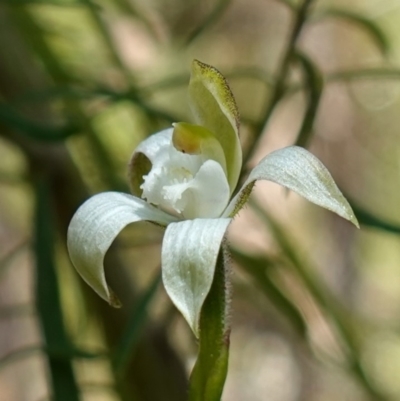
x,y
366,218
48,302
314,87
257,268
209,373
374,30
129,340
212,17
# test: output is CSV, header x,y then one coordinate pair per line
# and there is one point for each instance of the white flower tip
x,y
353,219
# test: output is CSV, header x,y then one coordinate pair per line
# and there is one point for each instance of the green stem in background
x,y
257,268
279,88
326,301
108,40
209,373
64,385
314,86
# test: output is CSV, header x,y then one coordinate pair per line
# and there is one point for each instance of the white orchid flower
x,y
183,178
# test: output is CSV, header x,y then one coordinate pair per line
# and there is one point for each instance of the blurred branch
x,y
314,87
212,17
375,32
366,73
300,19
257,268
109,42
384,73
368,219
35,130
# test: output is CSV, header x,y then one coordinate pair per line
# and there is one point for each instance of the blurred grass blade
x,y
64,385
383,73
314,86
374,30
126,347
35,130
367,219
365,73
209,373
212,17
258,268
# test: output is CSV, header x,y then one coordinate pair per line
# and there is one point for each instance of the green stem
x,y
279,88
209,373
64,384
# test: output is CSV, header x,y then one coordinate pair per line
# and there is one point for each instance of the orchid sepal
x,y
214,107
94,227
300,171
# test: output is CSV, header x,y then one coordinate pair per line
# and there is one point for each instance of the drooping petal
x,y
94,227
189,254
207,194
214,107
143,157
297,169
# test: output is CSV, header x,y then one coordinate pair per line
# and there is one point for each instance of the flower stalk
x,y
209,373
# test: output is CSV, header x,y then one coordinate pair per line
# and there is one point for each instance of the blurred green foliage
x,y
82,82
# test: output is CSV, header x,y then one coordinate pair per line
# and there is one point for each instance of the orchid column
x,y
183,178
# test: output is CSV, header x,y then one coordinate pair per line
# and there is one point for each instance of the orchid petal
x,y
214,107
189,255
94,227
297,169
